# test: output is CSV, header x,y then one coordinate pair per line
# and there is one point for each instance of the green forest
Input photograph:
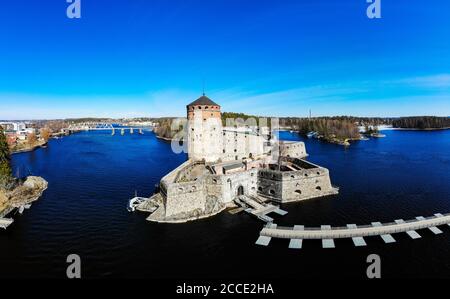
x,y
5,160
422,122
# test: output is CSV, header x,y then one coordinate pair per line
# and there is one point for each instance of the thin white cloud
x,y
434,81
390,97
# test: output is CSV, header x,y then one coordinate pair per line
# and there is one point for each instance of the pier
x,y
5,222
327,233
256,208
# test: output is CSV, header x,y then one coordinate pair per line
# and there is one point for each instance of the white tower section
x,y
205,140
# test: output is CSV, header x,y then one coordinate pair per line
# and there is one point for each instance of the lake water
x,y
92,175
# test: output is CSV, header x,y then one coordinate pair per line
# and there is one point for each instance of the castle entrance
x,y
240,191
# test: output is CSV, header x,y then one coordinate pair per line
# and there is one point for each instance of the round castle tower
x,y
204,130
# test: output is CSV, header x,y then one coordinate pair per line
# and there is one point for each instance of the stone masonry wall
x,y
293,149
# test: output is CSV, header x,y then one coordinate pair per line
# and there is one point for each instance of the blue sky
x,y
128,58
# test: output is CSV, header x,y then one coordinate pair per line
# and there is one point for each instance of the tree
x,y
31,138
5,160
45,134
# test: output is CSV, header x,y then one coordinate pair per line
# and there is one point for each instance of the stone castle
x,y
228,163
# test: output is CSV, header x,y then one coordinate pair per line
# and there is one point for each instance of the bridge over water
x,y
100,126
327,234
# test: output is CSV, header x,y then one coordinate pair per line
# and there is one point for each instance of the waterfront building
x,y
13,126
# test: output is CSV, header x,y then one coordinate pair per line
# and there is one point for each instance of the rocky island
x,y
15,193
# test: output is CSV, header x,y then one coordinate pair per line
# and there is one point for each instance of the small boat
x,y
311,134
134,202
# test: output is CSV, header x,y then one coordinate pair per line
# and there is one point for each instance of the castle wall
x,y
293,149
305,184
270,184
241,144
294,185
184,198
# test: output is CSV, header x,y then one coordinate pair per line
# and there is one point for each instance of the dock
x,y
327,243
265,240
258,209
5,222
296,243
387,238
411,233
357,241
328,234
434,229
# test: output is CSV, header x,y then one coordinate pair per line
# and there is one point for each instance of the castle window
x,y
271,192
293,176
318,173
235,150
236,158
206,107
298,191
318,188
306,174
260,189
224,151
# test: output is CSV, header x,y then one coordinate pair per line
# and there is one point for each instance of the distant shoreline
x,y
417,129
164,138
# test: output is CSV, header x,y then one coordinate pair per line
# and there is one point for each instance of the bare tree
x,y
45,133
31,138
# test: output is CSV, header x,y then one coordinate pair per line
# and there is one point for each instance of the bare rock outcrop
x,y
25,193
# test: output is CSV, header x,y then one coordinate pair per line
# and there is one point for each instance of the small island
x,y
338,130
